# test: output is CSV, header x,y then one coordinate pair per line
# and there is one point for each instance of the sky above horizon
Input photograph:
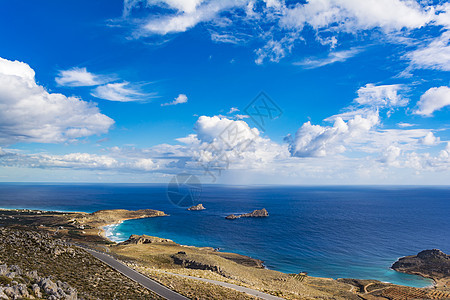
x,y
232,91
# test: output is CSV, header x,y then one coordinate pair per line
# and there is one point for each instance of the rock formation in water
x,y
197,207
258,213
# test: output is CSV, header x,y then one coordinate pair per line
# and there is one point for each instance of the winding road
x,y
160,289
146,282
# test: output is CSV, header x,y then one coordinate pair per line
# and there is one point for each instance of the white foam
x,y
111,233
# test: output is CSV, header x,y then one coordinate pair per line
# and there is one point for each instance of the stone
x,y
197,207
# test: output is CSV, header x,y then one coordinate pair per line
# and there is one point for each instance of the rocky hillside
x,y
17,284
430,263
36,258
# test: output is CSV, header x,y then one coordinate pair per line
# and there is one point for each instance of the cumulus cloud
x,y
381,96
432,100
29,113
319,141
181,98
76,77
121,92
333,57
356,150
429,139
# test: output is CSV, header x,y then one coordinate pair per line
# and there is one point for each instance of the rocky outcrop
x,y
144,239
46,262
193,262
258,213
197,207
434,264
31,285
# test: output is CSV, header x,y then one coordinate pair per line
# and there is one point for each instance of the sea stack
x,y
197,207
258,213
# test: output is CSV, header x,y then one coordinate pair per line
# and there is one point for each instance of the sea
x,y
334,232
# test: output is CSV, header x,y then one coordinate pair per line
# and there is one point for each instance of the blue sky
x,y
138,91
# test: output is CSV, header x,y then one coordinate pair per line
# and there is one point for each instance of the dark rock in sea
x,y
258,213
144,239
197,207
429,263
231,217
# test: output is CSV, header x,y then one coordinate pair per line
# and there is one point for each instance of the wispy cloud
x,y
121,92
435,55
76,77
182,98
333,57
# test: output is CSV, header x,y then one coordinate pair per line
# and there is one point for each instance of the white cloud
x,y
404,124
355,15
187,6
28,113
279,25
390,156
76,161
121,92
432,100
356,151
429,139
318,141
435,55
333,57
79,77
233,110
381,96
186,17
181,98
210,128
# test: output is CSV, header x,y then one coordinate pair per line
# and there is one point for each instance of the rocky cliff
x,y
429,263
144,239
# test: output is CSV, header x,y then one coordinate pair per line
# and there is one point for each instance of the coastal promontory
x,y
433,264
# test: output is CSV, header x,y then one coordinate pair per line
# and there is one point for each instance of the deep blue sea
x,y
333,232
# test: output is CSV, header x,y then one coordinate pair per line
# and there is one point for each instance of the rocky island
x,y
433,264
197,207
258,213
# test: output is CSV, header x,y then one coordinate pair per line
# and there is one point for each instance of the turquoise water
x,y
337,232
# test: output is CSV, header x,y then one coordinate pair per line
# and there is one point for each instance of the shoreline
x,y
104,227
432,284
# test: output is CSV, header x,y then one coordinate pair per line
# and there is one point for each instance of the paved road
x,y
138,277
164,291
231,286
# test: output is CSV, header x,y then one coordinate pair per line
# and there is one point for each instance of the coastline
x,y
104,228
